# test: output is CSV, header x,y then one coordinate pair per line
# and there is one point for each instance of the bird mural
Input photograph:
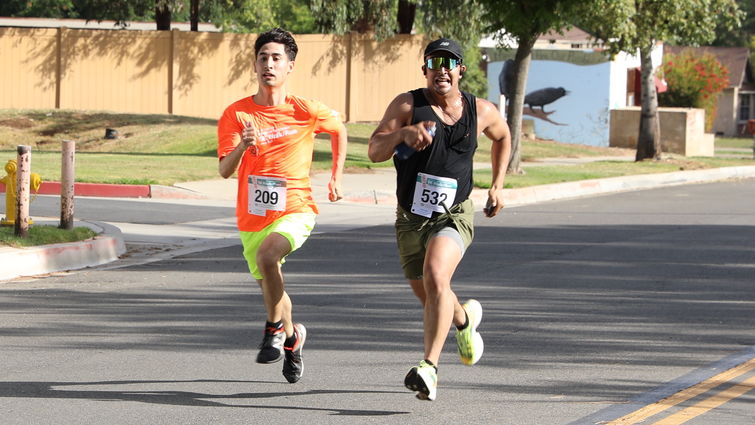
x,y
506,78
538,98
544,97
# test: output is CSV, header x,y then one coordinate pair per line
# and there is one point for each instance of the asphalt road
x,y
593,308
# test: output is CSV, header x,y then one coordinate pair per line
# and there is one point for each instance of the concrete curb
x,y
107,190
95,189
32,261
157,191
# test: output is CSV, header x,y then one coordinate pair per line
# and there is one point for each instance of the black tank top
x,y
450,154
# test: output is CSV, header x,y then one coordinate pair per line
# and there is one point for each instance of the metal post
x,y
67,178
21,228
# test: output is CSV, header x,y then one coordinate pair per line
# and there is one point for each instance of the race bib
x,y
430,191
266,193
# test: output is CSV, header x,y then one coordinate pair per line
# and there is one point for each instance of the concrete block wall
x,y
682,130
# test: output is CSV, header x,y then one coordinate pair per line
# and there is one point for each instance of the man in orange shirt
x,y
269,139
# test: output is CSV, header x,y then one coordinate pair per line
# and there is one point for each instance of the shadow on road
x,y
67,390
554,296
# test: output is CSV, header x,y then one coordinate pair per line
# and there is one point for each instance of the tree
x,y
38,9
386,18
163,15
525,21
407,11
361,16
194,15
121,11
255,16
738,37
639,25
441,19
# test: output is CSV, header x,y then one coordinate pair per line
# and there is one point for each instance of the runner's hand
x,y
335,192
494,203
417,136
249,136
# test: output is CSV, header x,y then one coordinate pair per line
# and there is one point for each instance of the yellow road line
x,y
684,395
710,403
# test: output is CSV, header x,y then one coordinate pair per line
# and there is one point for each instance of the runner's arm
x,y
496,129
394,129
229,163
338,142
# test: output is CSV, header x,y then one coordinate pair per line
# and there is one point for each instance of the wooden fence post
x,y
23,177
67,179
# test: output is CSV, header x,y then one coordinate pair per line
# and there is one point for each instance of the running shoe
x,y
423,379
293,366
271,348
468,340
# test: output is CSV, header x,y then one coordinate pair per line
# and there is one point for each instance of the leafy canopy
x,y
628,25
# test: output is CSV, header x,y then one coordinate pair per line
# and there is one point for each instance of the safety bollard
x,y
11,191
23,178
67,184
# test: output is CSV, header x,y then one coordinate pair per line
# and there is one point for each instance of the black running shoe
x,y
271,348
293,366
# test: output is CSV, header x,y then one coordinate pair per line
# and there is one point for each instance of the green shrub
x,y
694,81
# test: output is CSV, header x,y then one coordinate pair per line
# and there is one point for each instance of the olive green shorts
x,y
413,233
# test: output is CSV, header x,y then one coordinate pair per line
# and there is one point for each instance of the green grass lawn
x,y
732,142
124,168
166,149
549,174
42,235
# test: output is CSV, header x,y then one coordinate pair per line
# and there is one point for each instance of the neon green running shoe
x,y
423,379
468,340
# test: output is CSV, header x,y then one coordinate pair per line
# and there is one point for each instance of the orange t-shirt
x,y
283,158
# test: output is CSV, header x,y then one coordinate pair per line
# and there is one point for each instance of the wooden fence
x,y
195,74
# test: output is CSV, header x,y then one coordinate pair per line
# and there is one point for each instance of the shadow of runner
x,y
49,390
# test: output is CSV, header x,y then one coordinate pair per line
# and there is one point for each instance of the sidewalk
x,y
369,199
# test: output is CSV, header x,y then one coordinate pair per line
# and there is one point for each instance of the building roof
x,y
572,34
572,39
735,59
93,24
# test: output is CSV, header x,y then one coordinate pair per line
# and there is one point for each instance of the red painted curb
x,y
96,189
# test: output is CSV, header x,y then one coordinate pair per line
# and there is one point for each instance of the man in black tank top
x,y
431,133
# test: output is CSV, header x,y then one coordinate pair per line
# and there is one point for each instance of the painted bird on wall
x,y
506,79
544,97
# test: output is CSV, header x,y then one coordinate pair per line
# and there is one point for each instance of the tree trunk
x,y
163,17
649,137
363,24
194,15
406,13
516,103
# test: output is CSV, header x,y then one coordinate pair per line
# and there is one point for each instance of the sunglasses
x,y
437,63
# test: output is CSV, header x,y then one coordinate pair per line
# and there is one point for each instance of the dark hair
x,y
277,35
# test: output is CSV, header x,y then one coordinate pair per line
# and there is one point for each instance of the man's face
x,y
272,65
442,72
